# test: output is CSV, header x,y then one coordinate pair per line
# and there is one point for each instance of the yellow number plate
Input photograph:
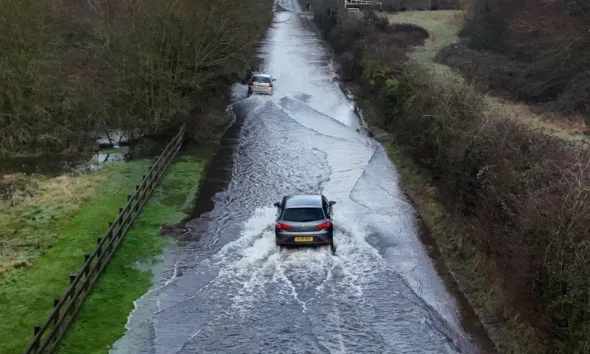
x,y
303,239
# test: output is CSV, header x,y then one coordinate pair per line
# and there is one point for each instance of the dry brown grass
x,y
40,190
33,210
554,124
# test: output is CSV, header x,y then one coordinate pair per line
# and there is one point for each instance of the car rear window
x,y
262,79
303,214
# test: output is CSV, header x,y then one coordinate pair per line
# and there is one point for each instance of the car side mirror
x,y
277,204
274,79
332,202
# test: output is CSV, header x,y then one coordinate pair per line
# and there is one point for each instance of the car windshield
x,y
303,214
262,79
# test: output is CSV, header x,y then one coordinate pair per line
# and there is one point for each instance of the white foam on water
x,y
261,220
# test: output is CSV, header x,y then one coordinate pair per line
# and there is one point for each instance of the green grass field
x,y
28,291
102,319
443,27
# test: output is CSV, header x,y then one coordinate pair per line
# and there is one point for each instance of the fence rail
x,y
65,309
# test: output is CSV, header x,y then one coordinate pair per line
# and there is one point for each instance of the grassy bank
x,y
53,248
36,209
82,207
102,319
534,52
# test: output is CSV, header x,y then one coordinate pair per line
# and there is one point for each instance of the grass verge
x,y
102,319
35,210
29,291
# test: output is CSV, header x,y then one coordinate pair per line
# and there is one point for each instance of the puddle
x,y
116,138
122,149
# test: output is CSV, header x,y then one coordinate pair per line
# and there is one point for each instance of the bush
x,y
525,195
372,38
489,71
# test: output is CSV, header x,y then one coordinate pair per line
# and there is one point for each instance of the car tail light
x,y
270,85
250,83
325,225
283,226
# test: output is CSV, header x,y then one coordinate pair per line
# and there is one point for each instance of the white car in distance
x,y
260,84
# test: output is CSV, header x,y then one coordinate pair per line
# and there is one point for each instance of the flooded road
x,y
229,289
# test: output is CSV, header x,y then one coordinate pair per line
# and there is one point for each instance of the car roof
x,y
303,200
261,74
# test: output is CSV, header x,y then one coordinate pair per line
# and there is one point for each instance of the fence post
x,y
139,199
56,316
139,195
36,330
122,220
73,294
98,252
110,238
86,270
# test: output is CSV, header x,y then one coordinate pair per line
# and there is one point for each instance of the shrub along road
x,y
516,209
29,291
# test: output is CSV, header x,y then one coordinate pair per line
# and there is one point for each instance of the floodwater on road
x,y
229,289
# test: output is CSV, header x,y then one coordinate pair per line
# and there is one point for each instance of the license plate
x,y
303,239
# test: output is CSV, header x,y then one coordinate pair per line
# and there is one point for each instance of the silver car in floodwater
x,y
304,219
261,84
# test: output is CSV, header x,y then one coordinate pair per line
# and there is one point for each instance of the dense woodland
x,y
521,197
70,68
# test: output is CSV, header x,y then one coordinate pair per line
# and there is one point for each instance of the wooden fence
x,y
64,311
